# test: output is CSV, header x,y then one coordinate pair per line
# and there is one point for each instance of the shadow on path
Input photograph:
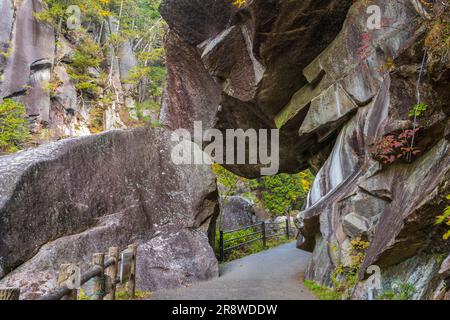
x,y
273,274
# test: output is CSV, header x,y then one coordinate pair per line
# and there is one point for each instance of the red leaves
x,y
394,147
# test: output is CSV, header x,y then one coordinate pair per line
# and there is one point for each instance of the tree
x,y
13,126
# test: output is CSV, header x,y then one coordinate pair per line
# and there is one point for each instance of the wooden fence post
x,y
9,293
98,288
264,233
131,285
221,255
63,276
111,272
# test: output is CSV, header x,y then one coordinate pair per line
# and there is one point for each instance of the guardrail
x,y
105,275
266,231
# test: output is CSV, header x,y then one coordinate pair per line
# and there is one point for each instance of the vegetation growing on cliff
x,y
437,40
444,218
399,291
345,277
97,34
322,292
13,126
278,194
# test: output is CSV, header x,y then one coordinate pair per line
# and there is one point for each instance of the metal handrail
x,y
243,228
263,232
240,237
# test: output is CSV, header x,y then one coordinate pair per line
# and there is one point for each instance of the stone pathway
x,y
274,274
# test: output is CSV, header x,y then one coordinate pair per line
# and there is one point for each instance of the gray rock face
x,y
334,100
7,14
30,41
64,201
236,212
243,62
33,71
354,225
66,94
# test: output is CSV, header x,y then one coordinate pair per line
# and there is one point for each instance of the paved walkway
x,y
274,274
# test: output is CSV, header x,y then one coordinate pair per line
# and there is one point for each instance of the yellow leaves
x,y
306,185
359,244
358,249
239,3
445,219
104,13
447,235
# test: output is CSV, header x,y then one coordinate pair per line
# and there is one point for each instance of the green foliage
x,y
418,110
283,192
227,179
138,23
124,295
141,108
96,117
13,126
323,293
399,291
121,294
345,278
280,193
437,40
87,55
445,219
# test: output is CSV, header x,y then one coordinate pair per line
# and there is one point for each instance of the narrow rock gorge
x,y
343,95
340,95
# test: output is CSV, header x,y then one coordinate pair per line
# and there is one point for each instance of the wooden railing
x,y
107,271
263,231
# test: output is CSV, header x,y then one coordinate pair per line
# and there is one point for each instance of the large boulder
x,y
236,212
65,201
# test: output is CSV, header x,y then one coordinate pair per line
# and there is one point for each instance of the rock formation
x,y
338,91
236,212
34,59
62,202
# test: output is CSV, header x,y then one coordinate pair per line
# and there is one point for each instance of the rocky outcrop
x,y
245,62
35,58
338,91
64,201
236,212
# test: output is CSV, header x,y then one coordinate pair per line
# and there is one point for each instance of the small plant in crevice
x,y
239,3
96,118
121,294
345,278
322,292
418,110
394,147
399,291
444,218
